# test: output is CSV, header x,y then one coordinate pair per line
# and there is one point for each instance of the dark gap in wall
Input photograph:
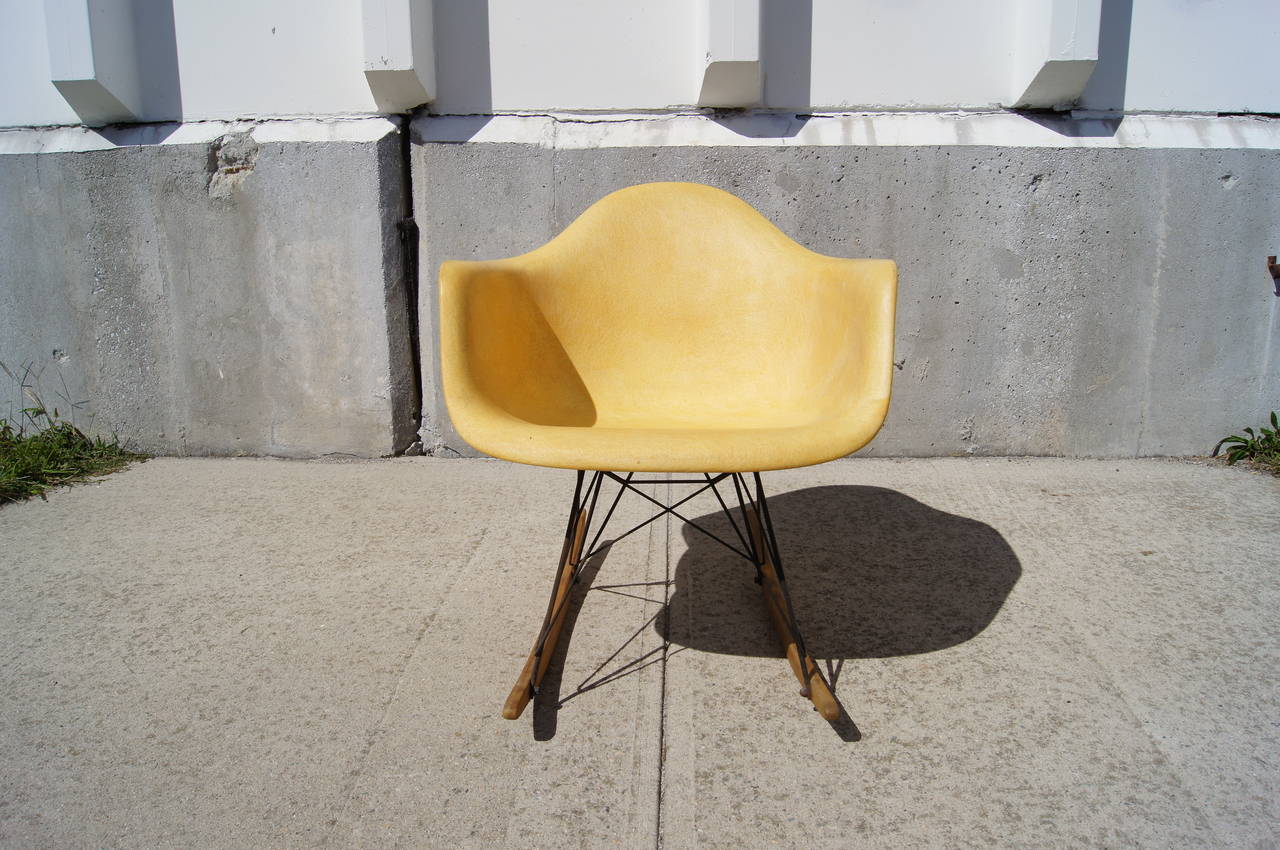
x,y
408,231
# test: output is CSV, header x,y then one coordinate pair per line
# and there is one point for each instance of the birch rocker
x,y
670,329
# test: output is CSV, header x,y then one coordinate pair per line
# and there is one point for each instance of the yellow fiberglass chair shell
x,y
670,328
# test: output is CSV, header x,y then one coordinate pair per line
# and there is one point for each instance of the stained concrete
x,y
236,296
231,297
1079,302
250,653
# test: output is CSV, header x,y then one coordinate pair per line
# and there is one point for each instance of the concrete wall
x,y
1077,297
1094,288
241,295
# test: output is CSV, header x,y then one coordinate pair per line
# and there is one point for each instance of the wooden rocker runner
x,y
670,328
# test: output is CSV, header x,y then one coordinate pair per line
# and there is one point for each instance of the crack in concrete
x,y
662,674
349,787
1034,535
1153,308
1089,649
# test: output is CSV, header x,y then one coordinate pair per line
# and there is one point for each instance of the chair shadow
x,y
547,702
873,573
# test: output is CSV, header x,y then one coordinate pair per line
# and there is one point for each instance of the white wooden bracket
x,y
93,60
729,68
399,53
1055,52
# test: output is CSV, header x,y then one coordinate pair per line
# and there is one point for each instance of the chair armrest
x,y
500,359
858,317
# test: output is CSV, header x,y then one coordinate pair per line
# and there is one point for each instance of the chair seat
x,y
652,448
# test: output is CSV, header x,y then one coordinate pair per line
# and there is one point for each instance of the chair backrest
x,y
670,305
678,302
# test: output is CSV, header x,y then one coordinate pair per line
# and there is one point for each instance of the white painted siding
x,y
277,58
27,97
250,58
912,54
1189,56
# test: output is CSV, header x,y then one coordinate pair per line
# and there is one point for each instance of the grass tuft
x,y
1261,449
41,450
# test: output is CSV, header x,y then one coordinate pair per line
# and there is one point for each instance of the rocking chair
x,y
670,328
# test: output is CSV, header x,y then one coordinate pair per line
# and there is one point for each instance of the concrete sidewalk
x,y
260,653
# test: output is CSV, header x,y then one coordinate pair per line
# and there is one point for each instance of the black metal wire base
x,y
760,549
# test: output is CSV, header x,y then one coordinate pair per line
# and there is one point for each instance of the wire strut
x,y
758,544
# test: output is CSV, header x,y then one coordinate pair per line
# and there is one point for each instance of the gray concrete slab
x,y
199,652
1115,698
1078,302
581,767
228,298
253,653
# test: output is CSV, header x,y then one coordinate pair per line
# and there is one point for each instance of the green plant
x,y
41,450
1262,448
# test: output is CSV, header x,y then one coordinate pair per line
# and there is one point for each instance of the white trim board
x,y
583,131
71,139
578,131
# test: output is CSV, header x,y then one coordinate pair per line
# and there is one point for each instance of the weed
x,y
1262,448
41,450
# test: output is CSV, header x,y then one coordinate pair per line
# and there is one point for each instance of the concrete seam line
x,y
66,139
348,791
662,689
410,249
1004,129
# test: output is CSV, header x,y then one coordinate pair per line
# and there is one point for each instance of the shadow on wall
x,y
873,574
786,55
158,59
1106,88
463,77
